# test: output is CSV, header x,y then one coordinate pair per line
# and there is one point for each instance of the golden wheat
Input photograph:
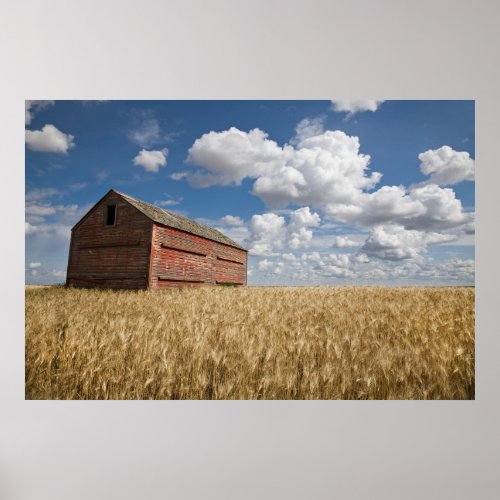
x,y
250,343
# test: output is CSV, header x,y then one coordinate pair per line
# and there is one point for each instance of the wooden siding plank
x,y
179,280
229,260
110,245
169,259
167,247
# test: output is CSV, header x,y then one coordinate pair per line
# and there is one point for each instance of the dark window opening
x,y
111,215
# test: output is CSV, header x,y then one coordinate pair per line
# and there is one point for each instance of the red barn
x,y
123,242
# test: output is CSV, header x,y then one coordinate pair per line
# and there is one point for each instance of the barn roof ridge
x,y
177,221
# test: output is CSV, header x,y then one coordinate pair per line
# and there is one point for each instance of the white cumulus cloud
x,y
297,233
151,161
447,166
269,232
393,242
325,170
320,169
427,207
49,140
265,265
344,242
231,220
442,210
232,155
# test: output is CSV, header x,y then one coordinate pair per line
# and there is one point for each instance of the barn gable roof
x,y
177,221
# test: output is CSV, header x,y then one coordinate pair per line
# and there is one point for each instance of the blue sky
x,y
320,192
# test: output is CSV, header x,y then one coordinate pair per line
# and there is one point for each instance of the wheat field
x,y
250,343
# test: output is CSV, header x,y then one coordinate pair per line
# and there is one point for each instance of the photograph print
x,y
272,250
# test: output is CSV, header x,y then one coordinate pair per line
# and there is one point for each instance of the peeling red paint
x,y
137,253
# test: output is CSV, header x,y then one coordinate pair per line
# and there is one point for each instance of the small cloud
x,y
446,166
41,194
40,210
102,175
49,140
147,131
361,258
34,265
355,106
177,176
231,220
288,257
33,107
167,203
151,161
265,265
172,136
344,242
29,228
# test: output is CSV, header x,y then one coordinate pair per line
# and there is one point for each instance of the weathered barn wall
x,y
138,252
110,256
179,258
